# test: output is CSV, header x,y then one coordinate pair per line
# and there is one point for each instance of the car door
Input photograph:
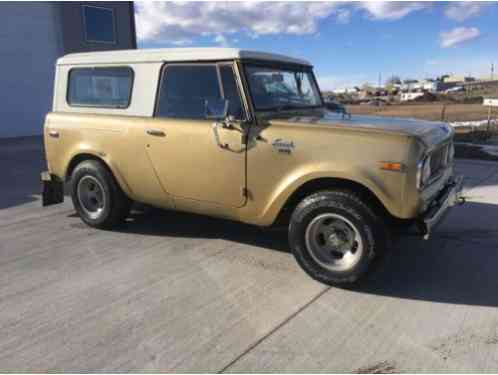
x,y
192,160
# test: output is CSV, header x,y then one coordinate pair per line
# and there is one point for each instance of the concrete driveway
x,y
175,292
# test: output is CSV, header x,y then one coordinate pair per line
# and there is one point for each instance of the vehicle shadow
x,y
151,221
457,265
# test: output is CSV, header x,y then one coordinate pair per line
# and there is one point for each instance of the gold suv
x,y
245,136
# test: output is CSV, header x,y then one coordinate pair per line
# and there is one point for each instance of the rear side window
x,y
187,91
100,87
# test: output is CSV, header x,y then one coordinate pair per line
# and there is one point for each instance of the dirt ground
x,y
426,111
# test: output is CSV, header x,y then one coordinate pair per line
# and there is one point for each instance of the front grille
x,y
439,159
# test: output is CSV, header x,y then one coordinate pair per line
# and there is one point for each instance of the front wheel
x,y
97,197
335,237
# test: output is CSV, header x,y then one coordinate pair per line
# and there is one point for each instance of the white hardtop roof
x,y
172,54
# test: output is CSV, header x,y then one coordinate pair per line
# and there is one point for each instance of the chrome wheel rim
x,y
91,196
334,242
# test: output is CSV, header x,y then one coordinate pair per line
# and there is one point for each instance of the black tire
x,y
369,230
116,205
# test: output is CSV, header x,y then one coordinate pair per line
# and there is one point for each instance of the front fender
x,y
388,193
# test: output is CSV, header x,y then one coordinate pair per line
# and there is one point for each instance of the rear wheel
x,y
97,197
335,237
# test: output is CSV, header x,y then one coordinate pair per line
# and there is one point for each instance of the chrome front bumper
x,y
448,197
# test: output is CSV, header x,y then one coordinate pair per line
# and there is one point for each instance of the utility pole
x,y
492,70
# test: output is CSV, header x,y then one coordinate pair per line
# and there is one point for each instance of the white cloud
x,y
391,10
458,35
343,16
221,40
460,11
180,22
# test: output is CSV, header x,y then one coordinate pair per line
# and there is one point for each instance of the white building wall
x,y
29,46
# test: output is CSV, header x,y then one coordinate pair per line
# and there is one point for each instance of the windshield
x,y
279,88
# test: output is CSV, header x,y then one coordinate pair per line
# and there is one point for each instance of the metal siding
x,y
28,38
74,32
32,36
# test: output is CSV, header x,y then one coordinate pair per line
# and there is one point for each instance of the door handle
x,y
156,132
53,133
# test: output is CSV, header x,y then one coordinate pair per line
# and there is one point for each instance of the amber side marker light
x,y
391,166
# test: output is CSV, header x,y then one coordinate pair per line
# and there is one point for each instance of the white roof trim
x,y
172,55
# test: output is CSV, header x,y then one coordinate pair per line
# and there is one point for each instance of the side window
x,y
231,91
100,87
187,91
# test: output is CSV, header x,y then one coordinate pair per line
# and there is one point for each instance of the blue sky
x,y
348,43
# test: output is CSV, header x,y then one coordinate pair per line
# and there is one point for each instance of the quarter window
x,y
99,24
100,87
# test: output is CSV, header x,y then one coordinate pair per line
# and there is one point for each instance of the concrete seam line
x,y
272,331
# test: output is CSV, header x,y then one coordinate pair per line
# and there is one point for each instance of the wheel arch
x,y
327,183
84,156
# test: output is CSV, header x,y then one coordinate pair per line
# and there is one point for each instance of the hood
x,y
429,132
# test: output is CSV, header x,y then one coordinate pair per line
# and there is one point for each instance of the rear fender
x,y
87,153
